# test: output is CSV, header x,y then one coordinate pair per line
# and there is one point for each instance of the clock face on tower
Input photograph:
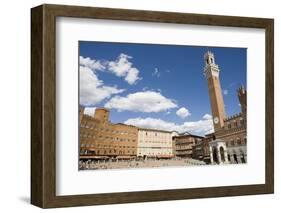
x,y
216,120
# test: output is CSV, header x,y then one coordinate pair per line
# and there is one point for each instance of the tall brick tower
x,y
242,96
102,114
211,72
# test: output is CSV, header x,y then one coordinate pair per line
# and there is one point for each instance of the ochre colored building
x,y
101,139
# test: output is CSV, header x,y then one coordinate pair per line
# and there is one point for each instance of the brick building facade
x,y
184,144
101,139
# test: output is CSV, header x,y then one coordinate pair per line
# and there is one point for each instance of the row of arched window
x,y
237,142
235,124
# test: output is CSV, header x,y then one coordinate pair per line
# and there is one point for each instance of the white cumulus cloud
x,y
200,127
183,112
91,63
207,117
93,90
90,111
145,101
122,67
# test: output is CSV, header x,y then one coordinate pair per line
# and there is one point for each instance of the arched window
x,y
222,154
235,158
229,125
243,158
215,155
228,156
242,122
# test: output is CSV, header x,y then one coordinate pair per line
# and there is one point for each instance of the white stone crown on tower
x,y
211,68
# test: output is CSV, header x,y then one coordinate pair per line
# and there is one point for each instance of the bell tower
x,y
211,72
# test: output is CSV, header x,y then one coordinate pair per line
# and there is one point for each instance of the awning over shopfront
x,y
94,157
164,156
125,157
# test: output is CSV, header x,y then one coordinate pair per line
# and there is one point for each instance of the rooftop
x,y
158,130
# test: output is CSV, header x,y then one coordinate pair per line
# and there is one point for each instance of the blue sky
x,y
171,73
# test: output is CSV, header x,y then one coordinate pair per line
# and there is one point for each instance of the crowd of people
x,y
134,163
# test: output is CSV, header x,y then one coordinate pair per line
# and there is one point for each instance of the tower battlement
x,y
233,117
208,53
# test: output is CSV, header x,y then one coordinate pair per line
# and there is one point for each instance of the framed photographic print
x,y
137,106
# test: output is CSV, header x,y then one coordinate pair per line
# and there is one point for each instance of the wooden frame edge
x,y
43,105
36,106
269,105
